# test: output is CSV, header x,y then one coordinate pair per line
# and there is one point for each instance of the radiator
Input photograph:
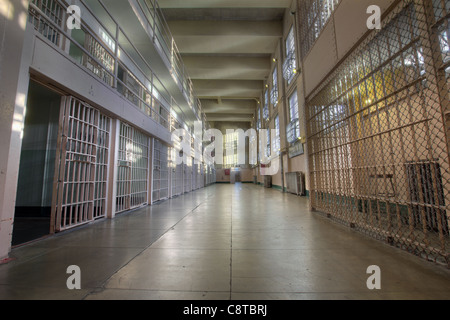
x,y
295,183
268,181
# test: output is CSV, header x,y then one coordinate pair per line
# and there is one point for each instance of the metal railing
x,y
164,40
109,54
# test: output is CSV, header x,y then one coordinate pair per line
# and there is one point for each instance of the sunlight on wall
x,y
6,9
19,115
22,20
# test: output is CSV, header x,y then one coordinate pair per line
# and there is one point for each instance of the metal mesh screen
x,y
314,16
377,133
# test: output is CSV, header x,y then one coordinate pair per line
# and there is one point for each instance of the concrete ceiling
x,y
226,46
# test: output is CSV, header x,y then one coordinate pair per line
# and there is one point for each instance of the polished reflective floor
x,y
239,242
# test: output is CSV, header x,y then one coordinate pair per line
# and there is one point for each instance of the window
x,y
268,144
274,91
315,15
266,106
290,43
290,63
293,128
293,106
277,146
108,39
442,28
230,141
258,119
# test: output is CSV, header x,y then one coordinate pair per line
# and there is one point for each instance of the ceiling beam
x,y
245,106
224,4
226,37
226,28
227,67
216,117
227,89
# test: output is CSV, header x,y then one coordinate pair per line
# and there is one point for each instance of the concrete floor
x,y
239,242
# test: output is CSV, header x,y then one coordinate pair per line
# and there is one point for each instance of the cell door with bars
x,y
194,176
176,173
160,171
80,186
132,169
187,176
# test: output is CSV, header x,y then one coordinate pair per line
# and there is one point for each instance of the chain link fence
x,y
378,133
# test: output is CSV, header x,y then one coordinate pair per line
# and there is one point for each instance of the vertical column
x,y
112,169
150,172
152,187
14,80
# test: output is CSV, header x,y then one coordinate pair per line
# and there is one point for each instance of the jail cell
x,y
132,169
187,174
206,178
194,176
201,173
210,175
80,187
179,179
176,173
377,137
160,171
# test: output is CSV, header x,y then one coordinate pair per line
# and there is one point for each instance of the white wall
x,y
13,93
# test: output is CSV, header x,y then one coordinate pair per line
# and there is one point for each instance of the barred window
x,y
290,62
274,91
266,105
276,146
293,127
315,14
290,42
268,145
293,106
258,119
442,27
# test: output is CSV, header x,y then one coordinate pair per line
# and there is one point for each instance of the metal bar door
x,y
74,187
132,169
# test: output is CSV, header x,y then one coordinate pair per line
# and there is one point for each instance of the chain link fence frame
x,y
378,130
